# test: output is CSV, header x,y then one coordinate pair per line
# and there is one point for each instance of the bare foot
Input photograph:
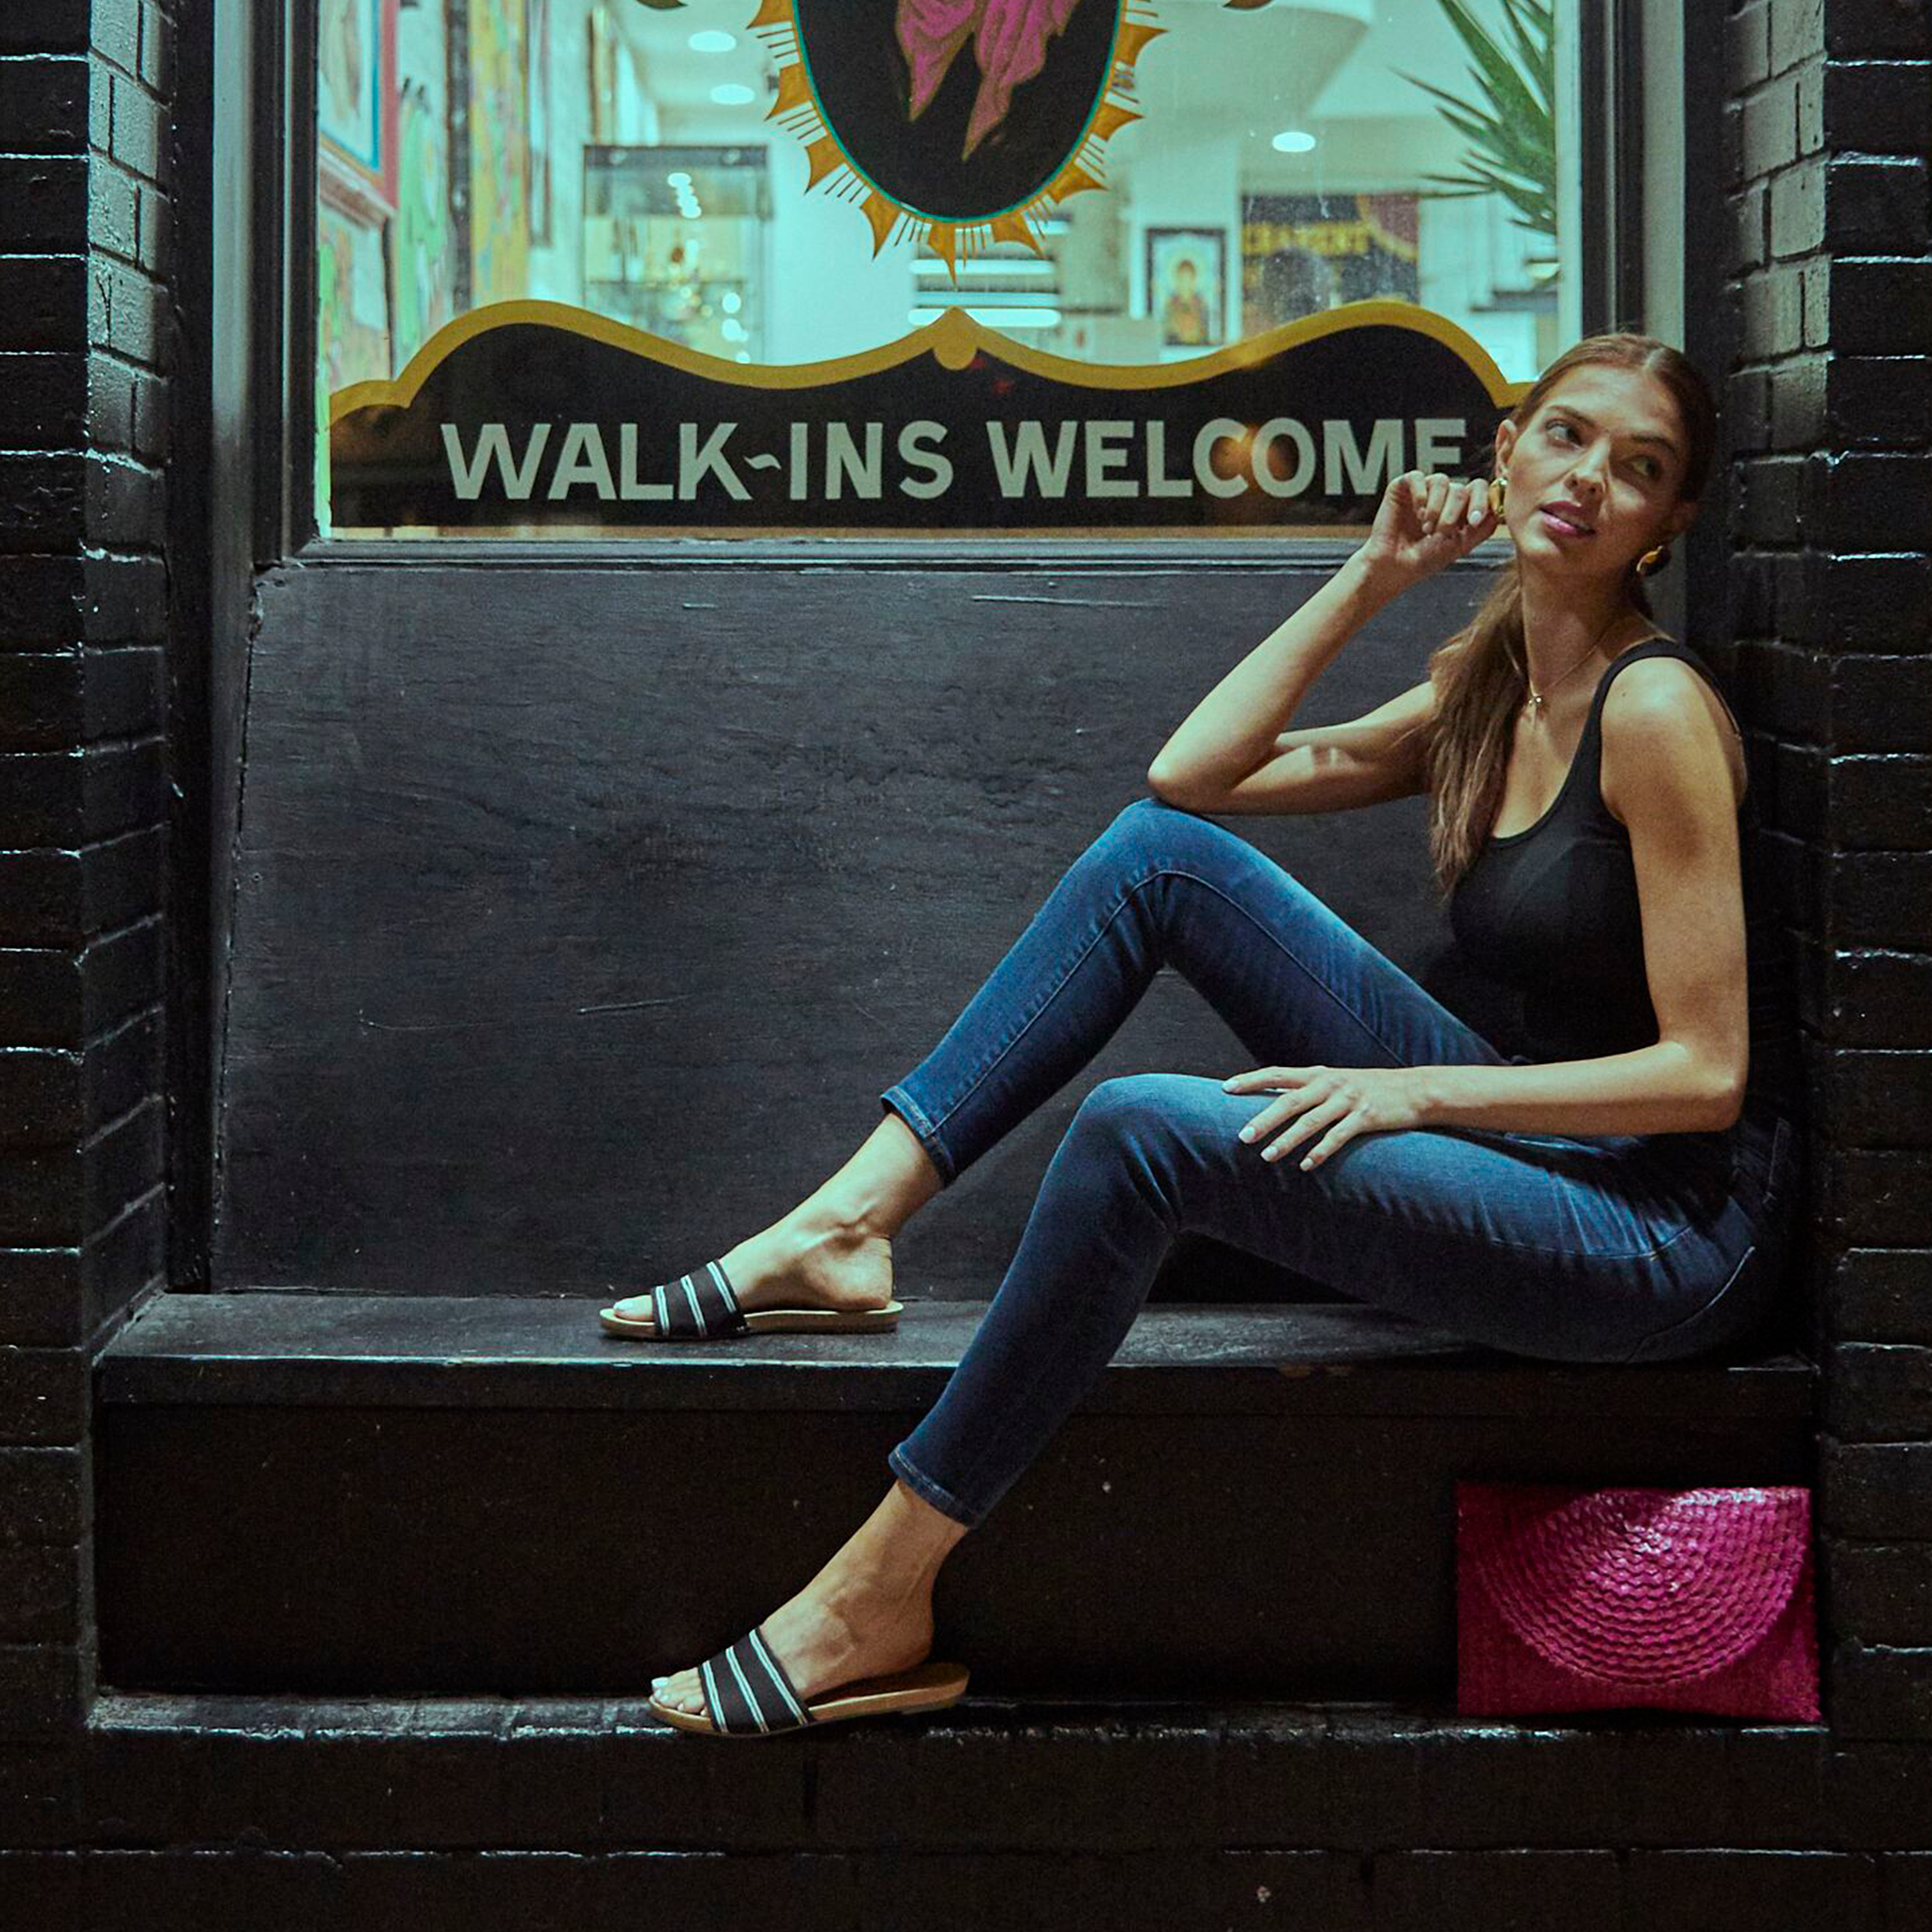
x,y
811,1258
824,1640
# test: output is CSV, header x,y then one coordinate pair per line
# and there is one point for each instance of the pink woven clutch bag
x,y
1580,1599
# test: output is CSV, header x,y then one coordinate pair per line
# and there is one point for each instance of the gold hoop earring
x,y
1498,489
1653,559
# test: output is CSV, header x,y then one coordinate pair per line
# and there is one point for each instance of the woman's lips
x,y
1558,527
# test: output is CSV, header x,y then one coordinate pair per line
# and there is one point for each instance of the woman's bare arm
x,y
1234,752
1666,760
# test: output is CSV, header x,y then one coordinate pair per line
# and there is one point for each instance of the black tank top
x,y
1552,912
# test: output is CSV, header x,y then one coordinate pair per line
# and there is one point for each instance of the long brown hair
x,y
1479,674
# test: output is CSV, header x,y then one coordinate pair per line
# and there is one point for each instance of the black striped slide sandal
x,y
701,1307
748,1694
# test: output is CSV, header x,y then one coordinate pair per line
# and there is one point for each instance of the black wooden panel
x,y
583,913
462,1551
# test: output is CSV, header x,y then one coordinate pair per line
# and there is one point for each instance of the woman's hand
x,y
1426,519
1346,1101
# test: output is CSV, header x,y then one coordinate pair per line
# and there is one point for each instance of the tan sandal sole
x,y
926,1687
757,1319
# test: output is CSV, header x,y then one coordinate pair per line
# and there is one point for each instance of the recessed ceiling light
x,y
730,95
1291,141
712,41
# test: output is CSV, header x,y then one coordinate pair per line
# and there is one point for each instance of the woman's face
x,y
1608,442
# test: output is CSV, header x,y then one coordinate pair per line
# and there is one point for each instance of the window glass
x,y
769,186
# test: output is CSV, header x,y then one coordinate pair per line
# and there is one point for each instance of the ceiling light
x,y
731,94
712,41
1291,141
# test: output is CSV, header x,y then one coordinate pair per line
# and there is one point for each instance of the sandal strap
x,y
700,1305
746,1689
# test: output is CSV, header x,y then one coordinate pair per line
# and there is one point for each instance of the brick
x,y
1877,1099
125,600
1750,247
156,233
1866,603
42,501
43,1396
1880,1491
1747,47
48,1194
157,50
60,1294
40,1594
57,900
1773,313
1862,502
1768,499
1877,998
1881,1594
113,209
1795,33
1881,1295
1876,204
126,504
43,106
42,401
1867,30
1877,1794
47,1890
46,295
1883,108
1879,1391
1798,391
117,33
138,144
85,793
136,305
1882,400
1880,1199
1732,1891
1881,1694
1880,899
43,201
1770,133
1797,209
1880,307
153,420
1880,801
179,1888
1501,1889
39,1691
33,27
42,1489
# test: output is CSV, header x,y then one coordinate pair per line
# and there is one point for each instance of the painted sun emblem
x,y
942,141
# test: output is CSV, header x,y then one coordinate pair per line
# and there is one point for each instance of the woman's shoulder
x,y
1658,682
1664,706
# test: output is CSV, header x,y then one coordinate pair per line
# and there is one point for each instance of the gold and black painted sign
x,y
535,416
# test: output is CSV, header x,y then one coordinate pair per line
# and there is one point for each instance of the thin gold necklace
x,y
1536,696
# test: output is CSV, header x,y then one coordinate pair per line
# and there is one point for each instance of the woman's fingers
x,y
1312,1120
1344,1129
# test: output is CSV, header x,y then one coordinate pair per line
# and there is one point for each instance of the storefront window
x,y
841,226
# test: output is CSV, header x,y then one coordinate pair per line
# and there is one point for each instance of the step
x,y
424,1495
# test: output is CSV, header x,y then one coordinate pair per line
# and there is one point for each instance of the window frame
x,y
275,50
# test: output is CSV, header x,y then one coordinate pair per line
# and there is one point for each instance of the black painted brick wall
x,y
1829,409
85,351
1828,392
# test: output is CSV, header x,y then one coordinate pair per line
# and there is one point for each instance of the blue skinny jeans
x,y
1614,1248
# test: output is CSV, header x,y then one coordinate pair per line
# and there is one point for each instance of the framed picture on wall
x,y
356,103
1187,285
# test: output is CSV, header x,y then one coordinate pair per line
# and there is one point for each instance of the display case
x,y
674,240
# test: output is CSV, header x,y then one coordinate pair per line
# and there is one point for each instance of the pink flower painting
x,y
1009,43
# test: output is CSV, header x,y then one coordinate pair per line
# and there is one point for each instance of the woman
x,y
1616,1193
